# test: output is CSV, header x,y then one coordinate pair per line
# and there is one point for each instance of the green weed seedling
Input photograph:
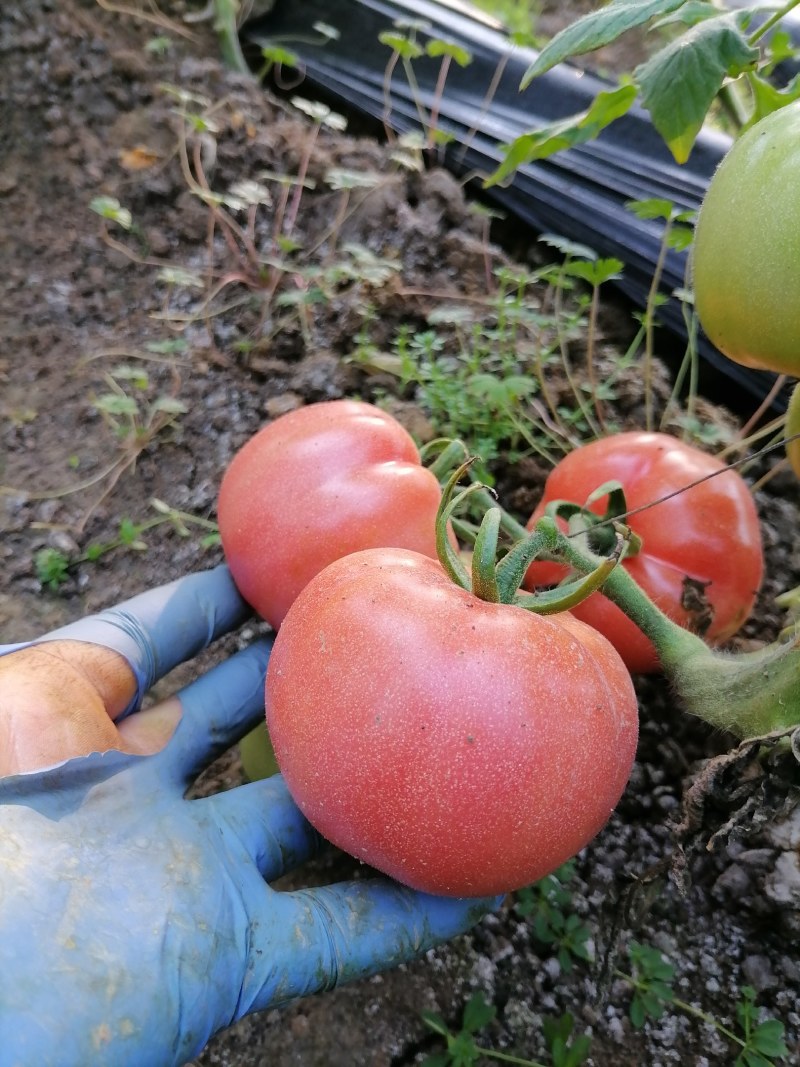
x,y
110,209
159,45
677,234
651,979
483,370
52,566
136,421
762,1042
759,1042
566,1048
405,42
467,394
136,414
463,1050
546,904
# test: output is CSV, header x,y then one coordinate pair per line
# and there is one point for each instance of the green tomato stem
x,y
509,525
498,583
751,694
484,558
773,20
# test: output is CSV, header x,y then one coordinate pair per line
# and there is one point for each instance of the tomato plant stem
x,y
773,20
751,693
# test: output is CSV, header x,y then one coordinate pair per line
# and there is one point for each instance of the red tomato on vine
x,y
701,559
318,483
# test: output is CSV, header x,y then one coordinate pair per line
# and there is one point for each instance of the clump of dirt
x,y
101,105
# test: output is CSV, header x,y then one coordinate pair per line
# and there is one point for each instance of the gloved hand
x,y
134,923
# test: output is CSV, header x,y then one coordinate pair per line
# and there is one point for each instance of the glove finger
x,y
269,825
218,709
161,628
347,931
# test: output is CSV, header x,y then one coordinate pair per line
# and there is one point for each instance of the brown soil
x,y
87,112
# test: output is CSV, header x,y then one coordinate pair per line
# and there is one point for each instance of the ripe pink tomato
x,y
701,549
462,747
314,485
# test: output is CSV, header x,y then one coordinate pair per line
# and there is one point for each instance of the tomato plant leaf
x,y
679,83
768,98
689,14
596,29
576,129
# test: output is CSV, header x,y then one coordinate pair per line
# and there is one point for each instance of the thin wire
x,y
699,481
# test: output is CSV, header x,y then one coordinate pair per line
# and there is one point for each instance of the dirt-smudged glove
x,y
136,923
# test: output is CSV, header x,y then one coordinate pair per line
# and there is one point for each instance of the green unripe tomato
x,y
258,759
746,258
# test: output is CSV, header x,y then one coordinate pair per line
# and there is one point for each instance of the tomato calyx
x,y
600,531
499,583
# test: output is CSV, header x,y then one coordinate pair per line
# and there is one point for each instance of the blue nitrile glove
x,y
134,923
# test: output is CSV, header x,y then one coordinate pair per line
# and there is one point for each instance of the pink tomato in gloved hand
x,y
460,746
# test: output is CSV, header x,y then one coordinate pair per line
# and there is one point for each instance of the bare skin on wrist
x,y
60,699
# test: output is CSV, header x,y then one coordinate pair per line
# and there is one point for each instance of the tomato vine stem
x,y
751,694
500,582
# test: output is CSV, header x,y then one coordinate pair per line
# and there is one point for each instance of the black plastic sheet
x,y
579,193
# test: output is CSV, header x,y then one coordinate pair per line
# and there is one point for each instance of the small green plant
x,y
651,979
110,209
52,566
471,389
135,419
546,904
463,1050
409,41
565,1049
159,45
759,1042
762,1041
481,370
135,410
